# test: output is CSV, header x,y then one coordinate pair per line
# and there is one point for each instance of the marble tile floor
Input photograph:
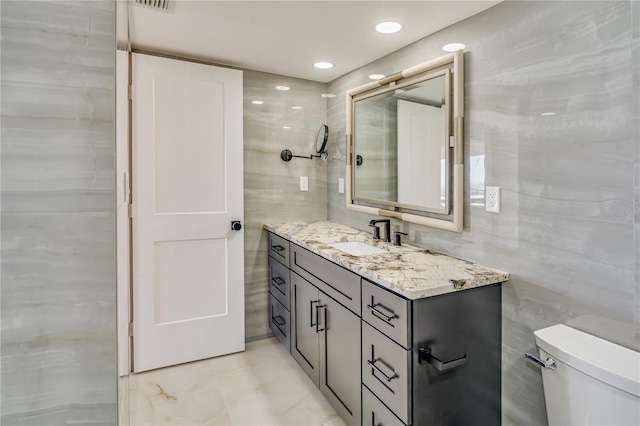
x,y
261,386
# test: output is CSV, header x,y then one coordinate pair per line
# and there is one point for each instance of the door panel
x,y
195,297
188,266
189,173
340,359
304,347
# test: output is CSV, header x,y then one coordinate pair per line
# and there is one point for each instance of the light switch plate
x,y
304,183
341,185
492,199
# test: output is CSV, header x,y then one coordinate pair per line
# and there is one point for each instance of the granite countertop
x,y
410,271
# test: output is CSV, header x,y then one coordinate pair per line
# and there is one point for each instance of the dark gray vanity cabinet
x,y
382,359
457,358
279,289
431,361
326,334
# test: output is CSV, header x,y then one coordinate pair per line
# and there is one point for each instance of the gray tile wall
x,y
271,186
635,25
58,235
566,231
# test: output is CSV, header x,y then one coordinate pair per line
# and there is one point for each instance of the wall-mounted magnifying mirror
x,y
320,147
404,145
321,141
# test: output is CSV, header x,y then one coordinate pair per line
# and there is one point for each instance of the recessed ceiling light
x,y
257,102
377,76
286,127
388,27
452,47
296,107
328,95
548,113
282,87
323,65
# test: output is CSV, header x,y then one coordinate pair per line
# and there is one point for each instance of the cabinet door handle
x,y
381,315
424,354
373,365
311,323
277,248
318,307
278,281
278,320
373,419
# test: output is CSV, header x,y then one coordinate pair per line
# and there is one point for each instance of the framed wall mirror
x,y
405,145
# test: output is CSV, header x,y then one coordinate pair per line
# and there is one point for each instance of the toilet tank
x,y
596,382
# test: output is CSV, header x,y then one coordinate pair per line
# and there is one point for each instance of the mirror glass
x,y
400,137
321,138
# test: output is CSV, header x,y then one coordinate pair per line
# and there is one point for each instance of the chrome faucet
x,y
376,229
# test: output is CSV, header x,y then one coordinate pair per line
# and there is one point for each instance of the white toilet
x,y
595,382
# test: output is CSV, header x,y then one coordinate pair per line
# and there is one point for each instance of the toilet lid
x,y
613,364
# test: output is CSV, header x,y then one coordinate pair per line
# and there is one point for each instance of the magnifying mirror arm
x,y
321,144
287,155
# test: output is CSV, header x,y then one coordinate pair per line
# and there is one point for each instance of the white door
x,y
188,268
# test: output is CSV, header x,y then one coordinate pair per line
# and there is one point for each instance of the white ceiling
x,y
288,37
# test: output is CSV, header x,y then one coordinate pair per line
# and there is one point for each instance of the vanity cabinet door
x,y
386,371
279,248
279,282
374,412
305,328
280,322
340,372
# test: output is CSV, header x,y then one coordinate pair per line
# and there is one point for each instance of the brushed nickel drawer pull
x,y
375,367
381,315
277,248
278,281
426,355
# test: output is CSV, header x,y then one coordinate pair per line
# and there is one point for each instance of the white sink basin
x,y
357,248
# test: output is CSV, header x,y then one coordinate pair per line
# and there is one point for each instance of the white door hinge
x,y
130,94
130,329
130,211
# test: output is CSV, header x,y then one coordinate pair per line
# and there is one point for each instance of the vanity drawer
x,y
389,313
279,284
280,322
374,412
386,370
334,280
279,248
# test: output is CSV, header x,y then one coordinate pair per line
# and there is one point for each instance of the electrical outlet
x,y
492,199
304,183
341,185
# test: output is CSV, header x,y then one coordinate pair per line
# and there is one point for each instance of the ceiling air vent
x,y
155,4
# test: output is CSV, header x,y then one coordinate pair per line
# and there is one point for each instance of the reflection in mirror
x,y
401,137
405,144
